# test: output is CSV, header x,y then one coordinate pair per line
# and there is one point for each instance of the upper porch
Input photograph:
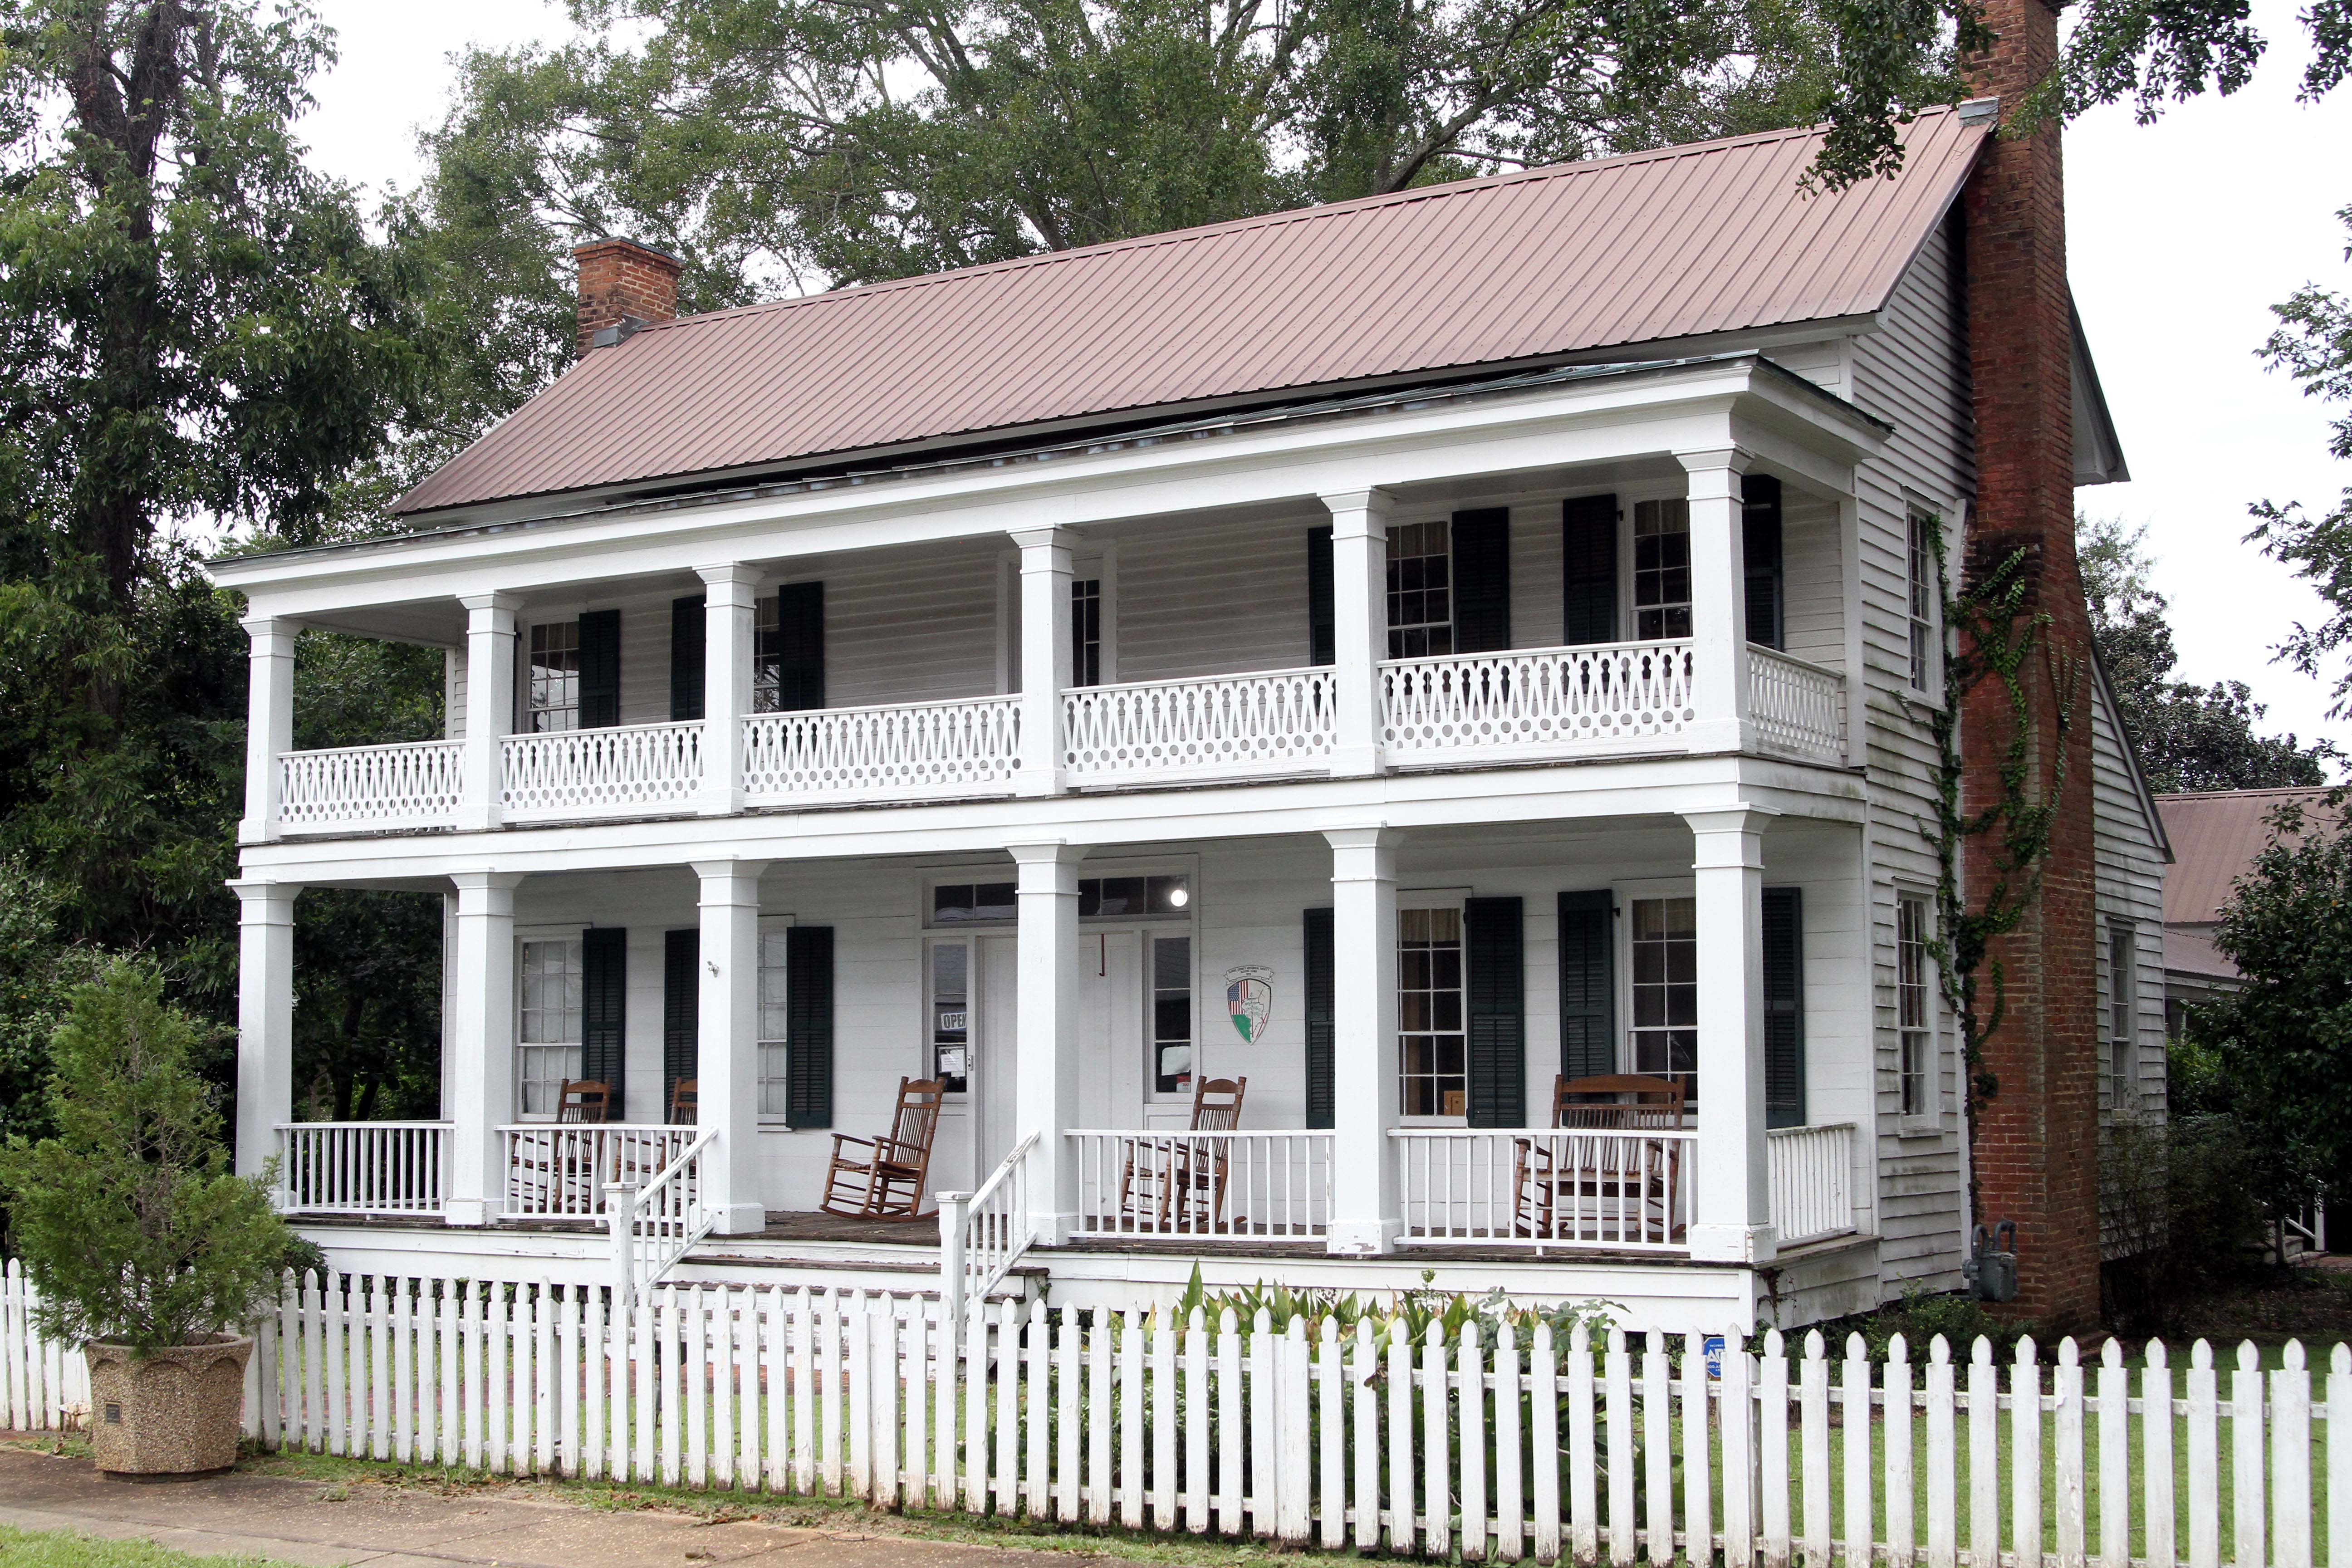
x,y
1609,563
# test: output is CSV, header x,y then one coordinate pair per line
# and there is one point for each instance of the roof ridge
x,y
1319,210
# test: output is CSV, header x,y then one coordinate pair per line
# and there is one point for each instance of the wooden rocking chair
x,y
885,1181
682,1097
1591,1190
550,1166
1185,1185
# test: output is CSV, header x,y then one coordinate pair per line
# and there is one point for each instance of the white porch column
x,y
1045,655
265,1018
1718,600
1366,1215
1732,1222
729,595
269,722
1359,623
489,701
1046,1101
727,1044
478,1076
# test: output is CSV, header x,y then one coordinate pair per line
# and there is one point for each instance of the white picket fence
x,y
1522,1448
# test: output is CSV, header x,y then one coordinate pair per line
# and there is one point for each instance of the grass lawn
x,y
66,1549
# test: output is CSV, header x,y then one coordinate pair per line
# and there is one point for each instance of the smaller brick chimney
x,y
622,286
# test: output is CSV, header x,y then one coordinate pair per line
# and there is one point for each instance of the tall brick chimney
x,y
622,286
2037,1131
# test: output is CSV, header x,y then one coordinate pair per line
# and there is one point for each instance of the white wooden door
x,y
1110,1029
995,1070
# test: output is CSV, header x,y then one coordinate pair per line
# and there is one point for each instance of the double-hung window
x,y
1661,569
1664,948
547,1049
1085,631
1916,1068
1421,589
554,677
2123,1015
774,1018
1433,1048
1923,590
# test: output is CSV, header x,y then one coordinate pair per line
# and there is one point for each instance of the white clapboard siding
x,y
1497,1441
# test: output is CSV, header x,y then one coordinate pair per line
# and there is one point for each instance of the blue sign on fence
x,y
1714,1346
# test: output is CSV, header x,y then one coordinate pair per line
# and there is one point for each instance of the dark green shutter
x,y
689,625
603,1004
808,1027
1322,1019
1587,984
1481,581
1589,570
1494,949
1760,554
1322,615
600,669
1784,1007
800,647
681,1009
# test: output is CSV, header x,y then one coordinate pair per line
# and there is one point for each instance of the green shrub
x,y
132,1224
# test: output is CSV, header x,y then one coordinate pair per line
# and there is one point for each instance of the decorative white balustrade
x,y
411,783
1548,703
362,1167
624,770
560,1170
1813,1177
1546,1188
1796,706
1274,722
1466,709
902,750
1244,1186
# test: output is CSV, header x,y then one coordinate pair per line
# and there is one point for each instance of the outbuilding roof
x,y
1520,268
2216,837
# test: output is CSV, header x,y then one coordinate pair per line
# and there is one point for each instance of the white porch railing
x,y
1244,1186
560,1170
1144,731
1547,702
622,770
411,783
984,1233
362,1167
1796,706
1544,1188
653,1225
897,752
1812,1180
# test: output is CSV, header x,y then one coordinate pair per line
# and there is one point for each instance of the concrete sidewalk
x,y
420,1527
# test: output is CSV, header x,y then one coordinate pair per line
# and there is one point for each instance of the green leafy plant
x,y
132,1226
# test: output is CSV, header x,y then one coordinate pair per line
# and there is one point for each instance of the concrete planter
x,y
172,1412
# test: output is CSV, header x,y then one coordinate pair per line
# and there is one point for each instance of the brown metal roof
x,y
2215,837
1709,238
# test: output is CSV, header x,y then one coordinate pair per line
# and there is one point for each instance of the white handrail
x,y
1627,1190
1265,721
559,1170
984,1233
1811,1174
615,770
1537,703
362,1167
408,783
895,750
654,1225
1254,1184
1795,704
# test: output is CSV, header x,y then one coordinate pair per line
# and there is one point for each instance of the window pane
x,y
1431,1051
554,677
951,1016
1420,585
1663,961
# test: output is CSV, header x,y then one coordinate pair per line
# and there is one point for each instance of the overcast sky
x,y
2183,234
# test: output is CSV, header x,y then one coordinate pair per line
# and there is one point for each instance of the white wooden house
x,y
1400,653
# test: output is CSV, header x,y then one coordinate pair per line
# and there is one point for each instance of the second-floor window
x,y
1086,632
1661,569
1921,556
1915,1007
1664,954
1420,590
555,677
2123,1015
548,1043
